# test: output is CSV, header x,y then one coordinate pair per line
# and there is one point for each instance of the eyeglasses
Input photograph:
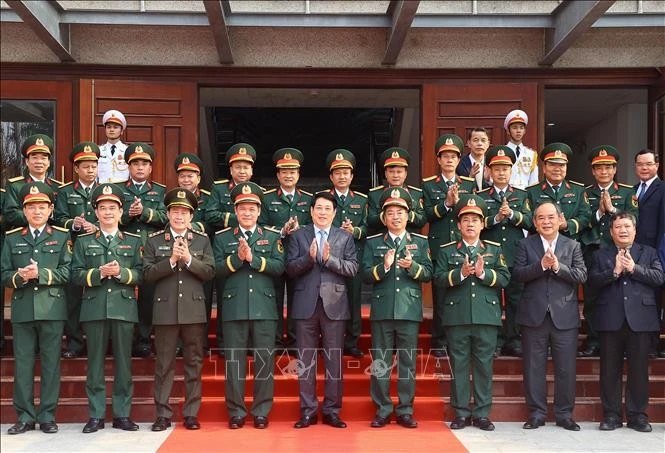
x,y
644,164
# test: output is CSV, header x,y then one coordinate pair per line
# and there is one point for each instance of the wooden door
x,y
162,114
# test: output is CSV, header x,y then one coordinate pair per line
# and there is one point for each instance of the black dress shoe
x,y
512,351
334,421
93,425
661,353
125,424
439,352
533,423
191,422
178,351
642,426
568,424
460,422
483,423
354,352
236,422
20,427
142,351
260,422
48,427
407,421
68,354
610,424
380,422
305,421
589,351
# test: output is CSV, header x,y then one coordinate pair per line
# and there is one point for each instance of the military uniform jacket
x,y
72,201
249,291
397,294
416,219
507,232
108,298
219,212
571,199
13,208
471,300
153,216
41,299
198,221
179,295
623,199
354,208
442,221
112,168
276,208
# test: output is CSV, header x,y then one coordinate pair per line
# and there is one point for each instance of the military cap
x,y
449,142
181,197
515,116
395,157
556,153
107,192
247,192
84,151
37,143
287,158
470,204
114,116
340,158
188,162
139,150
500,155
241,152
395,196
604,154
34,192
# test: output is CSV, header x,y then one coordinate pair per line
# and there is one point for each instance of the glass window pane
x,y
20,119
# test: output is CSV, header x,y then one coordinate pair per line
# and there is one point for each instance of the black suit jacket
x,y
543,289
631,297
464,169
651,220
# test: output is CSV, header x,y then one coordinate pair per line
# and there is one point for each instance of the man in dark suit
x,y
626,274
551,267
473,164
319,258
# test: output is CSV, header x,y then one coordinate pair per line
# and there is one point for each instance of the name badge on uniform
x,y
74,195
94,246
276,202
412,246
124,246
51,243
302,203
164,247
542,195
354,206
568,195
382,247
232,243
262,242
152,192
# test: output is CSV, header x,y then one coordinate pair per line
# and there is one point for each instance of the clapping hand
x,y
136,208
313,249
452,197
389,259
626,261
111,269
467,267
479,267
407,261
563,223
347,225
30,271
504,211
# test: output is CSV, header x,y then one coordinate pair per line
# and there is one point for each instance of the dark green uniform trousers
x,y
28,337
438,339
509,335
353,327
145,303
471,346
404,335
237,337
73,293
97,337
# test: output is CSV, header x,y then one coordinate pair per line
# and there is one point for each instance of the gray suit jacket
x,y
543,289
326,281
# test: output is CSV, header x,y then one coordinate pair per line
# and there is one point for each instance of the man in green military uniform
x,y
108,265
178,260
351,216
74,211
249,258
508,215
395,164
473,271
440,195
396,263
568,195
286,208
606,197
36,262
143,213
37,151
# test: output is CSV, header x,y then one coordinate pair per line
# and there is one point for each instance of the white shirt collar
x,y
471,245
547,244
112,233
242,230
292,193
34,178
174,234
606,187
32,230
401,236
649,181
136,183
317,229
340,194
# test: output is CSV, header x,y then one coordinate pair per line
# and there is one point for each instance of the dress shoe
x,y
589,351
407,421
305,421
93,425
512,351
354,352
568,424
661,353
236,422
191,422
533,423
20,427
125,424
178,351
334,421
439,352
142,351
380,422
68,354
642,426
460,422
48,427
610,424
260,422
483,423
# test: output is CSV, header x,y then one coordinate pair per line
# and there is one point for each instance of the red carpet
x,y
430,436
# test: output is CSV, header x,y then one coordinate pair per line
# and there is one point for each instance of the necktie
x,y
342,198
501,195
396,241
138,187
112,150
471,250
517,151
319,250
109,238
37,233
87,191
643,190
449,183
556,191
248,233
290,198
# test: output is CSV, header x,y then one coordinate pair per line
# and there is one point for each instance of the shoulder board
x,y
305,192
87,234
66,184
589,186
492,242
368,237
207,192
222,231
156,233
376,188
159,184
534,185
59,183
263,189
484,190
576,183
628,186
321,191
419,235
64,230
466,178
14,230
446,245
221,181
360,193
415,188
431,178
274,230
134,235
269,191
17,178
2,189
199,233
